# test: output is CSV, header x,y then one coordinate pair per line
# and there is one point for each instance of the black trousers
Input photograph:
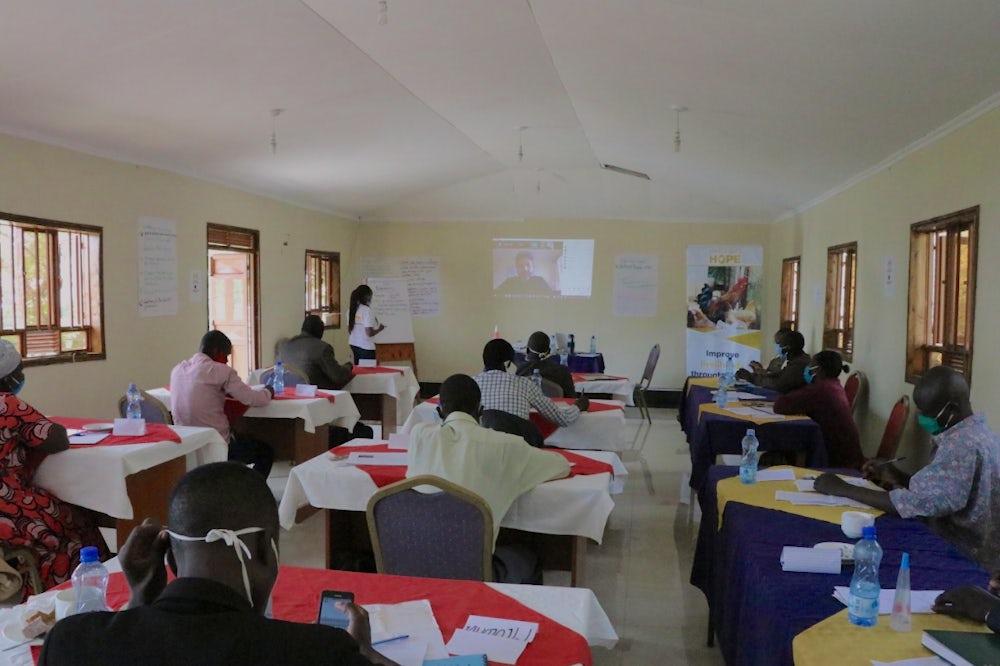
x,y
250,451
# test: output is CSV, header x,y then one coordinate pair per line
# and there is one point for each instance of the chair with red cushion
x,y
855,387
893,432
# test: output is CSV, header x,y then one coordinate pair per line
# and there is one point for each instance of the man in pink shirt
x,y
199,387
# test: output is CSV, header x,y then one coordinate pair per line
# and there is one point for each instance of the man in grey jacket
x,y
309,353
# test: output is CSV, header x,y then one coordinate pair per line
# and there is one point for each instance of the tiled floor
x,y
640,573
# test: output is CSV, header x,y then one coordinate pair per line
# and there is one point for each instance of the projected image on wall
x,y
542,268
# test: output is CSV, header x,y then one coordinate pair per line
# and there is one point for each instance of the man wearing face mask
x,y
779,360
32,517
959,490
789,374
199,387
496,466
222,547
538,357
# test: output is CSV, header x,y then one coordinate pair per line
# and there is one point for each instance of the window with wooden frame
x,y
942,300
51,294
838,320
323,286
790,293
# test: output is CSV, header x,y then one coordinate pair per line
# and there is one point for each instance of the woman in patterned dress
x,y
29,516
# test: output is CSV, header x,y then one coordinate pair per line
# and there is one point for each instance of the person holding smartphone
x,y
222,545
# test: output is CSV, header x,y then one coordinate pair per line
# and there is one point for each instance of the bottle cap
x,y
277,364
751,431
868,532
89,554
905,564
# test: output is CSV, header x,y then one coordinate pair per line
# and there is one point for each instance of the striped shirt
x,y
517,395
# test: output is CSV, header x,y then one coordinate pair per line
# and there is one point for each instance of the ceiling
x,y
501,109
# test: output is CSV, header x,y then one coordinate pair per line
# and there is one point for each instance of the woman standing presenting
x,y
363,324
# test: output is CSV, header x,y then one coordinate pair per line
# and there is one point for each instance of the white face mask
x,y
232,538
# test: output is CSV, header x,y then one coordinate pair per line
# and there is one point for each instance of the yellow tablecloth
x,y
837,642
711,408
762,494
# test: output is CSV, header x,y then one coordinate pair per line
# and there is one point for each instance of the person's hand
x,y
582,403
885,475
269,389
360,630
744,374
967,601
756,366
829,483
142,562
381,327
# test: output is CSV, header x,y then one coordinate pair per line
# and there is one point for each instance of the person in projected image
x,y
525,283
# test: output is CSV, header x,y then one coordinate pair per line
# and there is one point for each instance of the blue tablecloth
x,y
715,434
576,362
757,609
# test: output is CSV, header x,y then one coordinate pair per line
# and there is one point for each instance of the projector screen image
x,y
542,267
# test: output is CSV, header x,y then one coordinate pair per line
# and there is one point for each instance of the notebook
x,y
463,660
964,648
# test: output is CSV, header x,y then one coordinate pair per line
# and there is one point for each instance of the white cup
x,y
65,603
851,523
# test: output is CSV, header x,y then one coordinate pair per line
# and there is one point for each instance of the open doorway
x,y
233,292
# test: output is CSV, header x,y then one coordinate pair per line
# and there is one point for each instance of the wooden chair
x,y
647,377
893,432
445,534
856,387
152,409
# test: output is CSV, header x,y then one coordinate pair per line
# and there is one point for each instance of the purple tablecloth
x,y
715,434
576,362
757,609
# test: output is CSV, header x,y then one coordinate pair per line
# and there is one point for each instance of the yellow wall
x,y
959,170
53,183
453,341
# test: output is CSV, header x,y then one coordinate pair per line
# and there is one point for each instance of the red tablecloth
x,y
297,592
383,475
587,376
155,432
377,370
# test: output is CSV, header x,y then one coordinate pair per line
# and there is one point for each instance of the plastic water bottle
x,y
563,357
730,373
748,463
593,344
900,620
862,608
134,409
722,396
571,344
90,582
536,376
553,345
278,379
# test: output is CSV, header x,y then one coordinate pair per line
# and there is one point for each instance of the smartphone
x,y
329,613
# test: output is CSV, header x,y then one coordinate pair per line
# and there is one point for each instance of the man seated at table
x,y
508,399
222,545
778,362
790,375
973,603
959,490
199,387
538,357
497,466
308,352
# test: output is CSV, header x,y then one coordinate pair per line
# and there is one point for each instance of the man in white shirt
x,y
496,466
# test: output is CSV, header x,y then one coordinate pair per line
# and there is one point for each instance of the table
x,y
297,590
384,393
712,432
603,430
579,362
577,507
757,609
619,388
132,481
296,429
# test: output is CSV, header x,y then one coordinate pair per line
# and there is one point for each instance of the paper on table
x,y
918,661
775,475
806,485
921,601
759,413
495,626
413,618
496,648
816,499
810,560
408,651
85,437
740,395
360,458
399,441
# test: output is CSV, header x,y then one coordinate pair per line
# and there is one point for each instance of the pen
x,y
390,640
893,460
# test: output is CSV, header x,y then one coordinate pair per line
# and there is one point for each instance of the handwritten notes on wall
x,y
391,304
635,289
157,267
422,275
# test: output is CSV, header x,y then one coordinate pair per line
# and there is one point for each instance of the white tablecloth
x,y
403,387
579,505
593,430
313,411
620,389
95,477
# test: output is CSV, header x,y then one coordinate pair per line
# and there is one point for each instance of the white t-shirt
x,y
496,466
363,318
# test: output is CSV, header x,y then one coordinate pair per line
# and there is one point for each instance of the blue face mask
x,y
778,350
17,389
807,374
